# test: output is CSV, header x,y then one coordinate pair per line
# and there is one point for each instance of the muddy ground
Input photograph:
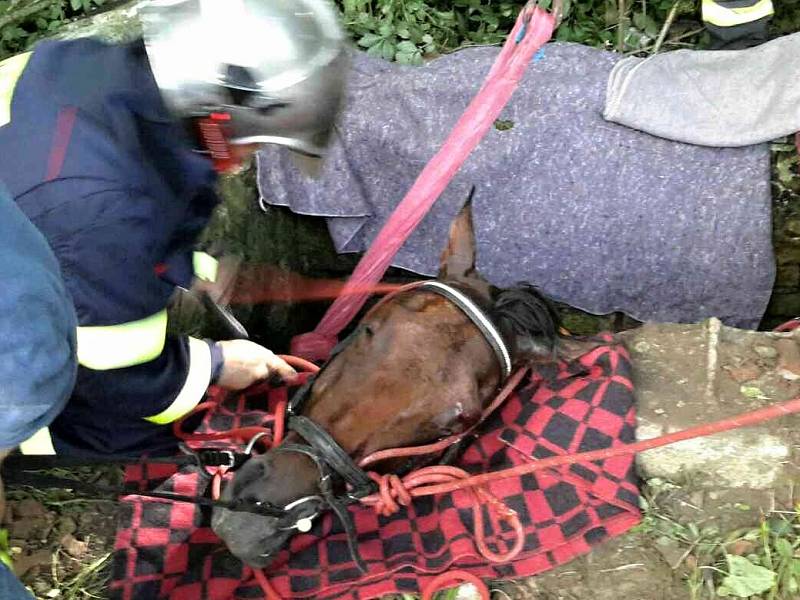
x,y
62,546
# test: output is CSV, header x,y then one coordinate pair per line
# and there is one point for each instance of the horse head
x,y
416,368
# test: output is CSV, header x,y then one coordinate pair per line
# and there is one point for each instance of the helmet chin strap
x,y
213,135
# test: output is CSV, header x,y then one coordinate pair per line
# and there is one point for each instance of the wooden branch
x,y
622,25
673,12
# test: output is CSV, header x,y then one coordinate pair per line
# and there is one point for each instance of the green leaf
x,y
752,391
745,579
376,50
503,124
5,557
449,594
369,40
409,59
779,526
388,50
76,4
784,548
785,168
406,47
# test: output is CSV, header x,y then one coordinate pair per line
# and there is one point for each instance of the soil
x,y
61,544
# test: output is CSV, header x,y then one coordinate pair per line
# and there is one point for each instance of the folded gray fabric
x,y
600,216
713,98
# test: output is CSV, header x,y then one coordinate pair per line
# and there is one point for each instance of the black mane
x,y
529,320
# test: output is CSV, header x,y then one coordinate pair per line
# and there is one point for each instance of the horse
x,y
421,364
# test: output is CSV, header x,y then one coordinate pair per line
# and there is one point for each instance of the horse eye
x,y
368,331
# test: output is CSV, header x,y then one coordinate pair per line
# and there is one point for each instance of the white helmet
x,y
273,71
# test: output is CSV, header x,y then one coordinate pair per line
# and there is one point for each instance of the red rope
x,y
794,323
269,592
395,492
274,435
744,420
445,443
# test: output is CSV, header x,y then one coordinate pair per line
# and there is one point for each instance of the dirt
x,y
55,539
629,567
60,543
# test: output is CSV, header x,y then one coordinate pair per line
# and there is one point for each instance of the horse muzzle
x,y
254,539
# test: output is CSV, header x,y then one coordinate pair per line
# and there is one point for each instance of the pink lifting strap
x,y
533,29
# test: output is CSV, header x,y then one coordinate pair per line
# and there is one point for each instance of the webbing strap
x,y
331,452
533,28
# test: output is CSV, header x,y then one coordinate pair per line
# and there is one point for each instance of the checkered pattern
x,y
166,550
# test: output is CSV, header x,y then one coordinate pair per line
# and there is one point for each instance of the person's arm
x,y
37,343
10,587
736,24
111,268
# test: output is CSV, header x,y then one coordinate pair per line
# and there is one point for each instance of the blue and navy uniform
x,y
38,360
92,157
737,24
38,349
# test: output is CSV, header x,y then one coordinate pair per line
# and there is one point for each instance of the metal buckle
x,y
303,524
231,459
205,457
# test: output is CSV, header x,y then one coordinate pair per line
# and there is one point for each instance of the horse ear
x,y
458,258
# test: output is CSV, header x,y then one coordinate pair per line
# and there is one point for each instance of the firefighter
x,y
39,363
112,152
736,24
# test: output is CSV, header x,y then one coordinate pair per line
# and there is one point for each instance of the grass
x,y
89,583
761,562
79,577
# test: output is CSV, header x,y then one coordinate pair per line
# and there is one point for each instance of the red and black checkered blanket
x,y
168,550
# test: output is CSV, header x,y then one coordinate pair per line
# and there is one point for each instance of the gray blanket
x,y
713,98
599,216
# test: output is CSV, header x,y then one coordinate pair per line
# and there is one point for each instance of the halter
x,y
332,462
478,317
330,458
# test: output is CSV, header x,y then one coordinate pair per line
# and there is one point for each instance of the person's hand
x,y
245,363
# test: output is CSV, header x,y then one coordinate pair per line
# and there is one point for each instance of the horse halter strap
x,y
329,456
333,454
330,459
478,318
